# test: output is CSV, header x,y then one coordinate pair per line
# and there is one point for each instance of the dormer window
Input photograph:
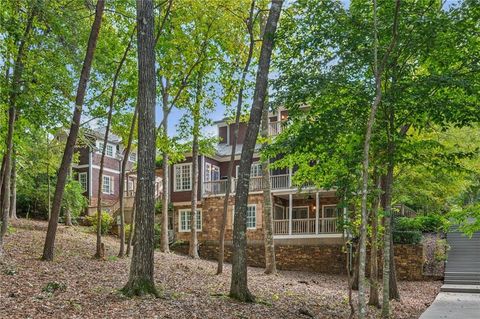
x,y
109,151
133,157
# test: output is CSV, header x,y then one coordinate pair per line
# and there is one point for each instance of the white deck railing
x,y
305,226
275,128
219,187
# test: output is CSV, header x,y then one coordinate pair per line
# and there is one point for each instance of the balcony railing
x,y
275,128
305,226
277,182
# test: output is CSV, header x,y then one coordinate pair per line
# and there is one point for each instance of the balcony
x,y
305,226
275,128
277,182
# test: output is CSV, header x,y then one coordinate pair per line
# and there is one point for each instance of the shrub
x,y
106,225
411,237
426,224
128,229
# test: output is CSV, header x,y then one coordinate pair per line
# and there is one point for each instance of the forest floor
x,y
76,285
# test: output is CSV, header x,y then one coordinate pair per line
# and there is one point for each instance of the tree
x,y
141,278
123,171
238,111
239,287
13,96
270,266
100,253
48,249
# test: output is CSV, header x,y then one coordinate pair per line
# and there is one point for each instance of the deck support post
x,y
317,207
290,210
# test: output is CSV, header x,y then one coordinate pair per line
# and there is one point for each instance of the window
x,y
183,177
109,151
82,179
279,213
133,157
184,220
251,216
330,211
212,172
299,212
107,187
255,170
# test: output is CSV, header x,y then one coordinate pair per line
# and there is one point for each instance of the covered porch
x,y
306,215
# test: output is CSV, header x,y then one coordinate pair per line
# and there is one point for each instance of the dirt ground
x,y
77,286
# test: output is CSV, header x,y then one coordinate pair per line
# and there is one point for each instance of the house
x,y
305,218
87,169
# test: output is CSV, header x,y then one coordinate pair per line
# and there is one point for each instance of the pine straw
x,y
87,288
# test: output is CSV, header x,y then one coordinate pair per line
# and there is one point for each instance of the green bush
x,y
411,237
128,229
426,224
106,225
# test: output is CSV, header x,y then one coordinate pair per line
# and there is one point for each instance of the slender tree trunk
x,y
100,251
15,91
270,266
13,189
193,245
356,268
378,70
373,298
48,249
132,226
349,271
239,285
141,280
121,253
238,111
164,245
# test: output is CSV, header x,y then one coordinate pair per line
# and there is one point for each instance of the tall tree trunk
x,y
48,249
378,71
13,189
373,298
15,91
356,268
132,226
270,266
239,285
141,279
193,245
164,241
100,251
238,112
123,172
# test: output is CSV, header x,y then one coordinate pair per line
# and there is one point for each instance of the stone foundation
x,y
330,259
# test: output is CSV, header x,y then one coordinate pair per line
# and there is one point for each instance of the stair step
x,y
460,288
461,282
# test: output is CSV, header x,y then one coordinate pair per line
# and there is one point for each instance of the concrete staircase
x,y
462,272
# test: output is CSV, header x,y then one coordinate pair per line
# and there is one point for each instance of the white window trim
x,y
130,157
246,217
253,164
175,177
180,211
86,180
100,149
325,206
112,189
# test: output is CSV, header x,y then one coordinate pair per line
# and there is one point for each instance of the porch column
x,y
289,177
290,209
317,202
